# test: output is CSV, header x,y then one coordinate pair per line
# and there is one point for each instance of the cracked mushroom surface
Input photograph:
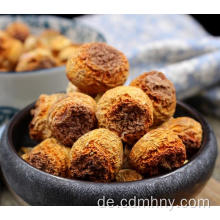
x,y
38,127
126,110
162,93
96,156
158,150
97,67
49,156
72,117
189,130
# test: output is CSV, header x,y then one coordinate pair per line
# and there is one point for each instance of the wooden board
x,y
211,192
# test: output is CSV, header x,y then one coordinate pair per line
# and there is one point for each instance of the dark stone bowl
x,y
39,188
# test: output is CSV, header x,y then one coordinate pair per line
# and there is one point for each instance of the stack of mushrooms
x,y
102,131
21,50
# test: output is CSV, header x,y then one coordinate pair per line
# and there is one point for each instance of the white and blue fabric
x,y
175,44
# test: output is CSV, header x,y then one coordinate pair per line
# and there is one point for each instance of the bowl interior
x,y
19,135
73,29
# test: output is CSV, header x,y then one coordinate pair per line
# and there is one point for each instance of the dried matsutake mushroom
x,y
97,67
31,43
159,149
126,110
38,127
162,93
10,51
47,36
49,156
96,156
72,117
67,52
189,130
59,43
35,60
18,30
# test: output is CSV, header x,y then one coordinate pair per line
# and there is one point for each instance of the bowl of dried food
x,y
102,141
34,51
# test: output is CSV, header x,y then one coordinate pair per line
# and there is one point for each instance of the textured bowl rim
x,y
53,68
196,114
33,72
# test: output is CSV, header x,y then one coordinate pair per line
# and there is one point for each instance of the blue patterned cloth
x,y
175,44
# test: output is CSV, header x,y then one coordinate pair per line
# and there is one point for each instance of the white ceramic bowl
x,y
19,89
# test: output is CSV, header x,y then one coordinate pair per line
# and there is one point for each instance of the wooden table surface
x,y
211,192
